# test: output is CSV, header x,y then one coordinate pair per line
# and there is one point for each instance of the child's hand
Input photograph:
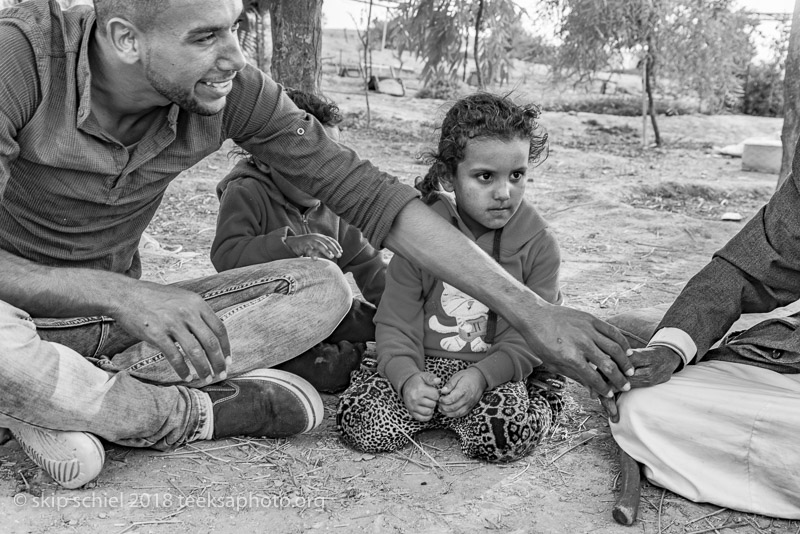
x,y
314,246
420,394
462,392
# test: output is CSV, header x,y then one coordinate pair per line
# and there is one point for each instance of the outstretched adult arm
x,y
570,342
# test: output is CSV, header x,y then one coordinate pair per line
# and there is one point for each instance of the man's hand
x,y
653,365
420,395
180,324
462,392
314,246
584,348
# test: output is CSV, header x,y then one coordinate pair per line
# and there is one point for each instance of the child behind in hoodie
x,y
263,217
444,359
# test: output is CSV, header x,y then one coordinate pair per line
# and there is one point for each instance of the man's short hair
x,y
142,13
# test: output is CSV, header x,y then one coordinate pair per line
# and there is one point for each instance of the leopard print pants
x,y
505,425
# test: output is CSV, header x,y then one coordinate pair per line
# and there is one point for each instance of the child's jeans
x,y
506,424
88,374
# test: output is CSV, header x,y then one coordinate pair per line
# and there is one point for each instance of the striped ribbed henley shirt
x,y
72,195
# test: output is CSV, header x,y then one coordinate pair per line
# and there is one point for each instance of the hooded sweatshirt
x,y
421,315
255,219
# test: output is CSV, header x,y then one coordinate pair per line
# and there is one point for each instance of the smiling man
x,y
99,112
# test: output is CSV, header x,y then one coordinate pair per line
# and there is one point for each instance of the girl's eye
x,y
485,177
517,176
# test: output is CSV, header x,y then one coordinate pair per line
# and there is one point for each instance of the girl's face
x,y
490,182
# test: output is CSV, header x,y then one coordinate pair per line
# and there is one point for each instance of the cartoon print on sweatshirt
x,y
471,317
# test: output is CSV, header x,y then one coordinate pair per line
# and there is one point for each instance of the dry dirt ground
x,y
633,223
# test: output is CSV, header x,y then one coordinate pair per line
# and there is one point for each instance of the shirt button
x,y
301,131
776,354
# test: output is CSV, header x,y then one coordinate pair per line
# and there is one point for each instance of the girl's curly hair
x,y
480,116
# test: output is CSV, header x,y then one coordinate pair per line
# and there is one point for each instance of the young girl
x,y
444,359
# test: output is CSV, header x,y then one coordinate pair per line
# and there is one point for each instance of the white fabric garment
x,y
719,432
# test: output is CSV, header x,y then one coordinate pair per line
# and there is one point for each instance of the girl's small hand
x,y
462,392
314,246
420,395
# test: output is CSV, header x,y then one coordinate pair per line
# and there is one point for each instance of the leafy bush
x,y
627,106
444,89
763,91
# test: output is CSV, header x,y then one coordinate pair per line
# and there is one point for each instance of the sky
x,y
342,13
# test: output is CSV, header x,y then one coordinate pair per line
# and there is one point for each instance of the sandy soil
x,y
633,224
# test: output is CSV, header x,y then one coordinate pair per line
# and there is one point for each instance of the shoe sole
x,y
71,458
300,387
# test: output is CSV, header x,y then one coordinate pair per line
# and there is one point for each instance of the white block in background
x,y
762,155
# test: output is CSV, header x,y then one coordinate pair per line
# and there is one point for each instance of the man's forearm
x,y
44,291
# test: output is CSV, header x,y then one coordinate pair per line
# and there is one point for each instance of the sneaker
x,y
264,403
71,458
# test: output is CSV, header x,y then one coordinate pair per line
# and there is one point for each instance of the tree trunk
x,y
475,45
297,43
649,81
791,98
466,58
367,64
644,101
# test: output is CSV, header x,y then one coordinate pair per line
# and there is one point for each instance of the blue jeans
x,y
88,374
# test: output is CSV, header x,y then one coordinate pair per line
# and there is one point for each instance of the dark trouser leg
x,y
328,365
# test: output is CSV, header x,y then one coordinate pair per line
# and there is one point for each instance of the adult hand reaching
x,y
180,324
582,347
652,365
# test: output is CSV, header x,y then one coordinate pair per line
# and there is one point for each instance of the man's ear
x,y
125,39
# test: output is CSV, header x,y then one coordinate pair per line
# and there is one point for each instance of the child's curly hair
x,y
480,116
324,110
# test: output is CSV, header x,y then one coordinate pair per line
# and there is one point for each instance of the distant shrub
x,y
532,48
763,91
443,89
627,106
